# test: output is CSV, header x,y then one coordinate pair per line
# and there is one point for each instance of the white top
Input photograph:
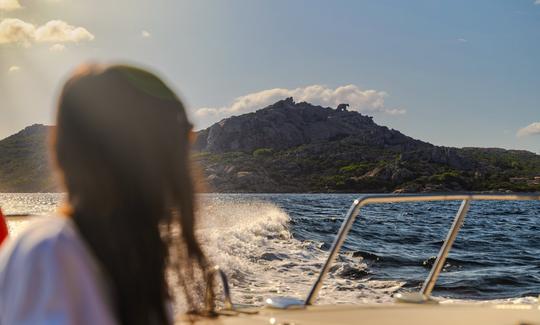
x,y
48,276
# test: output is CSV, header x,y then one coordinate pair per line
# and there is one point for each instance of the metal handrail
x,y
430,281
227,299
17,215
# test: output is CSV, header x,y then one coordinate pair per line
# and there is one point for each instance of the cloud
x,y
17,31
9,5
57,48
145,34
59,31
531,129
14,30
537,2
14,68
462,40
365,101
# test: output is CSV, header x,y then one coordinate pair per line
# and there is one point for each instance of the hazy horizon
x,y
451,73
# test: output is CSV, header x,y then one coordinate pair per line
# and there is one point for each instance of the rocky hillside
x,y
299,147
287,124
24,164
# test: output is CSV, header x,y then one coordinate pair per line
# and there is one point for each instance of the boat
x,y
417,308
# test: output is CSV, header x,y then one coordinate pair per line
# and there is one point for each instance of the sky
x,y
456,73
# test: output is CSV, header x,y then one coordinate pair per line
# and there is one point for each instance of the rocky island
x,y
300,147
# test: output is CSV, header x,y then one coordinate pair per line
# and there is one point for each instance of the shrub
x,y
262,152
355,168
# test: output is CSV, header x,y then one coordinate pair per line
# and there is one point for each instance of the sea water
x,y
275,244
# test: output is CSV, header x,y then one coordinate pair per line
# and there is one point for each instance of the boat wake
x,y
253,244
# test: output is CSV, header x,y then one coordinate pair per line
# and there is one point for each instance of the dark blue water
x,y
496,254
276,244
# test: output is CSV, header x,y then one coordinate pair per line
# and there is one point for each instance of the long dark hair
x,y
122,147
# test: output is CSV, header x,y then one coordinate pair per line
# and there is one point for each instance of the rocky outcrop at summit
x,y
287,124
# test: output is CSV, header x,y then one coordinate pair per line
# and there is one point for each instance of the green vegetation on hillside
x,y
342,166
347,164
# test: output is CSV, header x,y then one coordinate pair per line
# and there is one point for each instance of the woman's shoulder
x,y
42,237
48,276
43,230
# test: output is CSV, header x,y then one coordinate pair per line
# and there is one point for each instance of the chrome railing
x,y
430,281
227,299
17,215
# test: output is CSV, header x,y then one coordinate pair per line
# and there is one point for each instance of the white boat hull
x,y
388,314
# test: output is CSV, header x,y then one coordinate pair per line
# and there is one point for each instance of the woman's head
x,y
122,148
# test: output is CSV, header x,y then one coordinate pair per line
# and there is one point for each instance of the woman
x,y
125,238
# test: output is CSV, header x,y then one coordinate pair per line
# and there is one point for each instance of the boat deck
x,y
383,314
